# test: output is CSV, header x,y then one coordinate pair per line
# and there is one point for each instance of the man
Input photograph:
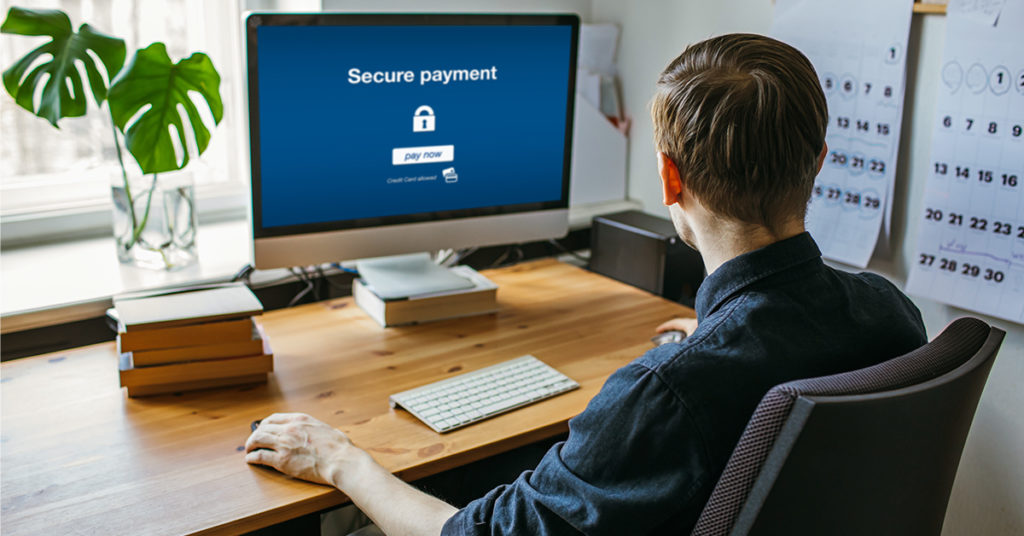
x,y
739,125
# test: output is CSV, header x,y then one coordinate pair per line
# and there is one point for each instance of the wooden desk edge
x,y
332,498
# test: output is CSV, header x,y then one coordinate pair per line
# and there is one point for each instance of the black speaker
x,y
645,251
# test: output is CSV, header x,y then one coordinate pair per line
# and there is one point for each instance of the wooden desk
x,y
78,456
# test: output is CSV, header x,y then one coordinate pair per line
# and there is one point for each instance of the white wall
x,y
988,495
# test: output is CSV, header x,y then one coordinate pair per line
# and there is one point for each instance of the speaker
x,y
644,251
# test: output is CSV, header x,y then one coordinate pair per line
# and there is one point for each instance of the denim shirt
x,y
649,448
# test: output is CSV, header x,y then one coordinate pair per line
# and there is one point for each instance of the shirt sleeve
x,y
633,459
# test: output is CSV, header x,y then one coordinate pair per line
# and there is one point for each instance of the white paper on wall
x,y
970,247
859,52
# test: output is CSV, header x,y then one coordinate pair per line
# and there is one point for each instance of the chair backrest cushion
x,y
951,348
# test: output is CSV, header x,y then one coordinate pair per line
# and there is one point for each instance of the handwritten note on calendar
x,y
861,61
970,246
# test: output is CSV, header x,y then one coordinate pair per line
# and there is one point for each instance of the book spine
x,y
197,370
184,336
197,353
164,388
369,302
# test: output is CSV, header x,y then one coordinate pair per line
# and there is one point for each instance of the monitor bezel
x,y
254,21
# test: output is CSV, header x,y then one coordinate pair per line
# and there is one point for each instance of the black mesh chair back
x,y
872,451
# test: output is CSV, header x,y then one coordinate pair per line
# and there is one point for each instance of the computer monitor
x,y
374,135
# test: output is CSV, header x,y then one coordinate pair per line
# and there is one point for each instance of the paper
x,y
861,62
597,48
970,246
588,85
983,11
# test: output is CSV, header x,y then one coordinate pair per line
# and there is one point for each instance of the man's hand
x,y
301,446
686,325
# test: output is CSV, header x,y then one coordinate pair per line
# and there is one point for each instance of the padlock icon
x,y
423,119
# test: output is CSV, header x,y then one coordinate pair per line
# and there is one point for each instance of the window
x,y
55,184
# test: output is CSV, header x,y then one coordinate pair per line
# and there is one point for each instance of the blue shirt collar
x,y
742,271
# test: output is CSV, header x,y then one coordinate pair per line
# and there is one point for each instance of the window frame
x,y
90,215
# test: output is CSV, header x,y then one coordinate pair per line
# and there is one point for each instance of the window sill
x,y
53,284
57,283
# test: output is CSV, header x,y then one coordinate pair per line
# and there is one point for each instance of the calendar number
x,y
933,214
1009,180
964,268
999,80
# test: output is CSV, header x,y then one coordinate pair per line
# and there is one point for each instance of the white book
x,y
480,299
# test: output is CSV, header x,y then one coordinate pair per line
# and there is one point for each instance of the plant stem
x,y
137,230
124,175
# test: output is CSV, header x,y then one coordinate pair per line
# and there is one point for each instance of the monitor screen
x,y
368,121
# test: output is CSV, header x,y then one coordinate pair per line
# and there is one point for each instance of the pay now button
x,y
422,155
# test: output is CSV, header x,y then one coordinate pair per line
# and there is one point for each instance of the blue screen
x,y
377,121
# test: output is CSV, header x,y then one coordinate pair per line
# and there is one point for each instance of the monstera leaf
x,y
154,86
66,48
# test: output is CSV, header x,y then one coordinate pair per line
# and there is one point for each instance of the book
x,y
203,334
251,345
192,375
163,310
165,388
480,299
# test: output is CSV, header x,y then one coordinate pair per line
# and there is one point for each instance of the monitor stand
x,y
402,276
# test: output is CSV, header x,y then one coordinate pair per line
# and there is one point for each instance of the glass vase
x,y
155,220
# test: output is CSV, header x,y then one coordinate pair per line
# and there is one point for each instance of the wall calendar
x,y
861,64
970,246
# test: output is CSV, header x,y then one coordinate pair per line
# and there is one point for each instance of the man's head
x,y
742,120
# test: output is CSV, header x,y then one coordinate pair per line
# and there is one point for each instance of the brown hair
x,y
743,117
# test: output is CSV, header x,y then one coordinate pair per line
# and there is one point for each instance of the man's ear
x,y
671,183
821,157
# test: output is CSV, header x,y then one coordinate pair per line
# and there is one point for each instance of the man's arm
x,y
301,446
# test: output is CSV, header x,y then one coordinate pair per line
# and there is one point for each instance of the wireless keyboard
x,y
474,396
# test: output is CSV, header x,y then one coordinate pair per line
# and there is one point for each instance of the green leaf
x,y
151,80
64,50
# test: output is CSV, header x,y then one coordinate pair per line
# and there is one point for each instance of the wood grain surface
x,y
78,457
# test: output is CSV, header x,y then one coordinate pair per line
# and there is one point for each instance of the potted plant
x,y
154,207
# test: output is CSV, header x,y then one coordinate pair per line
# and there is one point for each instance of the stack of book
x,y
187,340
481,298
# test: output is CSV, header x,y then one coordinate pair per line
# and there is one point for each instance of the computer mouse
x,y
668,336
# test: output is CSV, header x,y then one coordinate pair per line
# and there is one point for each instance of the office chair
x,y
873,451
